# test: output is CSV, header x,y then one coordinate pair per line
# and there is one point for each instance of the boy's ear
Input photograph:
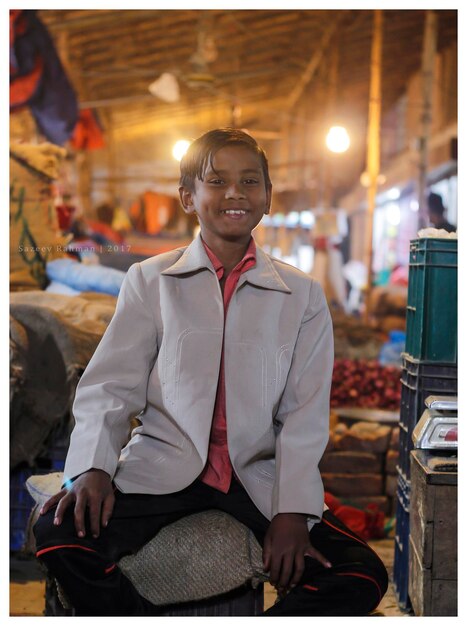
x,y
268,199
186,198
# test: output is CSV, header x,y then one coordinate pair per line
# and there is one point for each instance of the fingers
x,y
318,556
107,509
80,509
95,516
51,502
274,570
281,568
267,554
92,490
63,504
298,569
285,573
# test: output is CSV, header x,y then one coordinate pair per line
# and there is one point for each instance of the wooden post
x,y
296,93
373,145
284,152
112,178
84,182
330,119
428,62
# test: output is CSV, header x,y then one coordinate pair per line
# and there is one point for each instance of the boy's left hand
x,y
286,543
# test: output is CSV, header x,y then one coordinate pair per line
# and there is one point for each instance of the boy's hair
x,y
201,152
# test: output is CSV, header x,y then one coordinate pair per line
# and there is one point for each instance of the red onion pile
x,y
366,384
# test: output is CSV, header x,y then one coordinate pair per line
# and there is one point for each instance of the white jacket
x,y
159,359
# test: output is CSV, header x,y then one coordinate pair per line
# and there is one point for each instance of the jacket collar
x,y
263,274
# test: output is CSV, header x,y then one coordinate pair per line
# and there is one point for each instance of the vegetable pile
x,y
367,384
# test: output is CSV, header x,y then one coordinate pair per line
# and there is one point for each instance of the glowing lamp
x,y
337,139
180,148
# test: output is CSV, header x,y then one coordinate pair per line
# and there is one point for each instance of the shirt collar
x,y
195,258
249,257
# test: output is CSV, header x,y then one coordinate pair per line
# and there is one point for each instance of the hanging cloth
x,y
37,78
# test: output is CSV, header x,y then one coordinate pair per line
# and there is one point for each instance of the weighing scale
x,y
437,427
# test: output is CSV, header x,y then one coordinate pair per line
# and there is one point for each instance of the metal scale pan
x,y
437,427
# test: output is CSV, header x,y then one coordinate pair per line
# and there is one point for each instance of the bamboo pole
x,y
330,119
112,178
296,93
373,145
428,63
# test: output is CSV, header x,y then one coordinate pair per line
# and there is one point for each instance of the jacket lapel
x,y
263,274
193,258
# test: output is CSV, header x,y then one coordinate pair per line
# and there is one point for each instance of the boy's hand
x,y
286,543
94,490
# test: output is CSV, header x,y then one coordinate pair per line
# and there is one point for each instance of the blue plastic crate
x,y
401,541
21,505
21,502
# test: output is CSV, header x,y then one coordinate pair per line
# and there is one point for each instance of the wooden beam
x,y
312,66
428,66
373,145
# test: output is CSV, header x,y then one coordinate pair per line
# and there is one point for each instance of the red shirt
x,y
218,469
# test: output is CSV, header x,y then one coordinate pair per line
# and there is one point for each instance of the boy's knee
x,y
45,532
378,570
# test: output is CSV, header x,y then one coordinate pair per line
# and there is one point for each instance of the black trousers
x,y
86,568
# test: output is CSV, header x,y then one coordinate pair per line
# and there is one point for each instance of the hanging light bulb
x,y
337,139
180,148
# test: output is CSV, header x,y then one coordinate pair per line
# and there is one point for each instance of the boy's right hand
x,y
92,490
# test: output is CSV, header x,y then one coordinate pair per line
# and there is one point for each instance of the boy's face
x,y
232,198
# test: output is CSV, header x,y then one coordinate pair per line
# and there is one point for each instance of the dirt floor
x,y
27,585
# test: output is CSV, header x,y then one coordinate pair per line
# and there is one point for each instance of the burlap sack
x,y
34,233
52,339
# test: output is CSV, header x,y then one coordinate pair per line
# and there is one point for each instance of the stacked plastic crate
x,y
429,368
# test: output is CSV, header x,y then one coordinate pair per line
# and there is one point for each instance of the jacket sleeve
x,y
303,414
113,387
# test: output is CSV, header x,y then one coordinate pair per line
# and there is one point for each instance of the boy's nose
x,y
234,191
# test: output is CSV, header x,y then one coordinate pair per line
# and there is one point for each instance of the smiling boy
x,y
226,355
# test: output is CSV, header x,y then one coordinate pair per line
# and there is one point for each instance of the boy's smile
x,y
232,197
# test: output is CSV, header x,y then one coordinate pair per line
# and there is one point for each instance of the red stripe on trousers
x,y
41,552
349,535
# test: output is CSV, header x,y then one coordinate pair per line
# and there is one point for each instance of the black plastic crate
x,y
405,447
427,369
401,542
421,379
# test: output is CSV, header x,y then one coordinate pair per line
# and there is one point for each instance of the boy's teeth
x,y
234,212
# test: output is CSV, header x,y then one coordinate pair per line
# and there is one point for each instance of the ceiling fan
x,y
199,76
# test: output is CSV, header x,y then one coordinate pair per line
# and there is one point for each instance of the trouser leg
x,y
354,585
86,568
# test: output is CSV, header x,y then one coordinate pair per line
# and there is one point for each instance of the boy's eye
x,y
216,181
250,181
